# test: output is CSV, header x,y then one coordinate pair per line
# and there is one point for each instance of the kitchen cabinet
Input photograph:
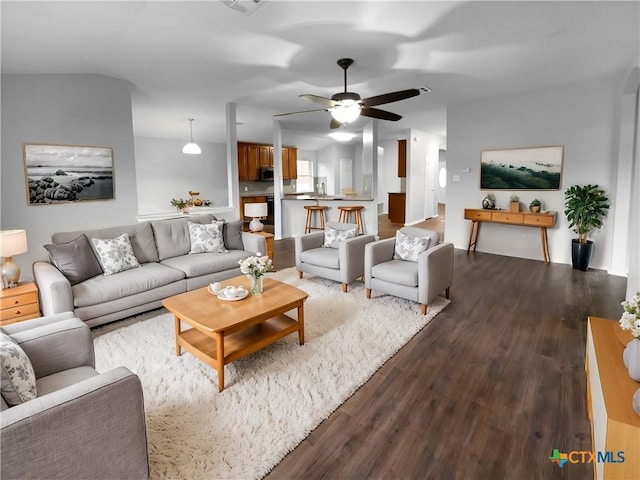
x,y
254,156
397,203
248,161
289,163
402,158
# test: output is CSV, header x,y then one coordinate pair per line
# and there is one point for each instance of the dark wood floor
x,y
486,391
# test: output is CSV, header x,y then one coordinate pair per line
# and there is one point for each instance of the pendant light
x,y
191,148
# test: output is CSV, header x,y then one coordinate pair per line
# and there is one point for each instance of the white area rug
x,y
273,398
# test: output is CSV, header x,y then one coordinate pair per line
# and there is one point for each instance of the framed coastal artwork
x,y
67,173
535,168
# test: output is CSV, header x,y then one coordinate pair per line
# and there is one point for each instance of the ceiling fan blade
x,y
389,97
318,99
301,111
381,114
334,123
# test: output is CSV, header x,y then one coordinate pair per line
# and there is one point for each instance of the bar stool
x,y
345,211
314,208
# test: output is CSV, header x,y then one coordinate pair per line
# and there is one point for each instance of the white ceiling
x,y
189,59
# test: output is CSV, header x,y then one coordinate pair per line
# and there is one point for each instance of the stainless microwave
x,y
266,174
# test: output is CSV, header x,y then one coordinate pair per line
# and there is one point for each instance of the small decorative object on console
x,y
254,268
535,205
514,203
630,320
489,202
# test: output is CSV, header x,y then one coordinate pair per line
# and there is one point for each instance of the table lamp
x,y
255,210
12,242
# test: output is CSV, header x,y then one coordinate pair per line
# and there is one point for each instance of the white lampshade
x,y
13,242
346,112
255,210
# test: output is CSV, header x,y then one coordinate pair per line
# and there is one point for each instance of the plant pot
x,y
514,206
581,254
535,209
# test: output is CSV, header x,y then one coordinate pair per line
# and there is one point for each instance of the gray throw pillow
x,y
116,254
206,238
17,378
232,233
333,236
408,247
75,259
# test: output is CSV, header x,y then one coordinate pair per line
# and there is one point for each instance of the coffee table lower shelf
x,y
236,345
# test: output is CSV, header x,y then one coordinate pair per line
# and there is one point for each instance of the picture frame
x,y
67,173
531,168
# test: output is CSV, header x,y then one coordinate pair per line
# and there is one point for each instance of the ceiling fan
x,y
345,107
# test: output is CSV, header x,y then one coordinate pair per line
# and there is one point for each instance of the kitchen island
x,y
294,214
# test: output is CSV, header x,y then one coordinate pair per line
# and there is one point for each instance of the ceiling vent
x,y
246,7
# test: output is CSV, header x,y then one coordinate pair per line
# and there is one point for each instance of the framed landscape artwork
x,y
536,168
67,173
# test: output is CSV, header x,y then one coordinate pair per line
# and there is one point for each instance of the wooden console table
x,y
524,219
615,427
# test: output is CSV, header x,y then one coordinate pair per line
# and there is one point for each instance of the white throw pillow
x,y
207,237
115,254
333,236
409,247
18,380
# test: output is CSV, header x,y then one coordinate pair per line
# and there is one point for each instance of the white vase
x,y
631,358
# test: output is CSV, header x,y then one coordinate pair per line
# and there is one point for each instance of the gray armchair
x,y
343,264
82,424
420,281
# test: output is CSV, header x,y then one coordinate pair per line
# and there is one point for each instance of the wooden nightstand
x,y
19,303
269,239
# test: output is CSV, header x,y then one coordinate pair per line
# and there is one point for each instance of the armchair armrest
x,y
254,243
375,253
92,429
351,257
53,288
55,343
435,271
307,241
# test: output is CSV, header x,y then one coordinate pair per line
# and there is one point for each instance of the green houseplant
x,y
535,205
585,207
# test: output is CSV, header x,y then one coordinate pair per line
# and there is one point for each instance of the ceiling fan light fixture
x,y
191,148
342,136
347,111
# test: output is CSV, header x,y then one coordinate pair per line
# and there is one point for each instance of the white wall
x,y
388,180
69,110
582,117
419,145
163,172
441,193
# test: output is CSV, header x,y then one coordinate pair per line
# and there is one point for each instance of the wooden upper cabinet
x,y
402,158
289,163
266,156
248,162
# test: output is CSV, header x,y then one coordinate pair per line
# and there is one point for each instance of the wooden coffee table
x,y
225,331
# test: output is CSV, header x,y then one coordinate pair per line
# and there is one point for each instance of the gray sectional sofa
x,y
166,268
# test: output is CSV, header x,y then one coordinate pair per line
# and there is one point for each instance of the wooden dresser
x,y
19,303
615,427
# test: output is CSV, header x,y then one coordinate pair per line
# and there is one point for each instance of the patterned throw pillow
x,y
333,237
115,255
409,247
207,237
18,380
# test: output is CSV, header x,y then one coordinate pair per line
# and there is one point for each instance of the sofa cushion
x,y
140,236
206,238
206,263
333,236
17,379
75,259
321,257
102,288
66,378
172,236
398,272
409,247
232,232
115,254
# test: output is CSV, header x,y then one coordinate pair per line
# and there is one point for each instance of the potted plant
x,y
585,207
514,203
180,204
535,205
